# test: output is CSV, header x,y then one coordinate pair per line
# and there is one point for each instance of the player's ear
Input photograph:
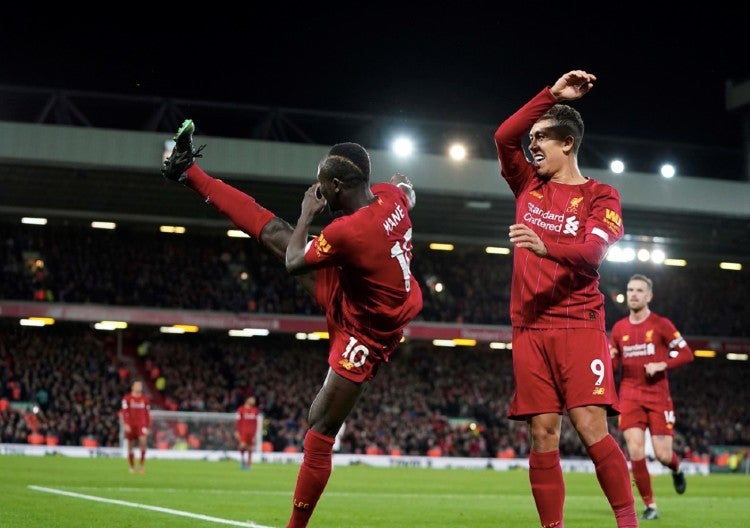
x,y
568,143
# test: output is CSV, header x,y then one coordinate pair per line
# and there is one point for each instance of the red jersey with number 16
x,y
377,295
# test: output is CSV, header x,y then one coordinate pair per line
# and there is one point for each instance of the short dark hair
x,y
349,162
566,121
643,278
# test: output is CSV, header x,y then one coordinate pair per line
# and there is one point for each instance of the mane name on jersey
x,y
393,220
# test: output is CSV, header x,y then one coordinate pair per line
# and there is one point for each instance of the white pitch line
x,y
328,493
180,513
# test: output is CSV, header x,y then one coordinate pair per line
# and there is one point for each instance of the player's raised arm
x,y
573,85
403,183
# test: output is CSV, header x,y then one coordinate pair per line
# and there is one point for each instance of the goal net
x,y
194,431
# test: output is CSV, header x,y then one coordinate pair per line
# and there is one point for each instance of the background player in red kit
x,y
647,345
245,429
136,417
357,269
565,223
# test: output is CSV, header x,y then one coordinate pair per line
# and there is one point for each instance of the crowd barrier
x,y
569,465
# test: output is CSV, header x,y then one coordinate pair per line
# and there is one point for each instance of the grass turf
x,y
356,496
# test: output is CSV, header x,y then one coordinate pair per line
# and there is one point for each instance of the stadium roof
x,y
456,214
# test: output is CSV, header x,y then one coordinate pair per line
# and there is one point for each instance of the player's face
x,y
639,295
546,148
137,387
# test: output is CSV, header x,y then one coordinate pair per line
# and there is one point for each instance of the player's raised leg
x,y
242,209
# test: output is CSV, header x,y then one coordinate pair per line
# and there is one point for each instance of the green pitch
x,y
77,493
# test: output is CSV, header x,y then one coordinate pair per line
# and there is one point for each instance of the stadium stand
x,y
61,384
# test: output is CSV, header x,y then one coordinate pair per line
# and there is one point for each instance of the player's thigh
x,y
581,356
635,439
333,403
632,415
661,419
275,238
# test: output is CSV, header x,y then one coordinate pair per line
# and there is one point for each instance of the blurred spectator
x,y
132,267
435,398
427,398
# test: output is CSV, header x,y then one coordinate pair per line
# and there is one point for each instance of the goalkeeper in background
x,y
245,428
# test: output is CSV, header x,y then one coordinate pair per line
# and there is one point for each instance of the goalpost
x,y
175,432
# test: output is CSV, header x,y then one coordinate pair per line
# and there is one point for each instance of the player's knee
x,y
663,456
636,452
324,425
275,235
545,438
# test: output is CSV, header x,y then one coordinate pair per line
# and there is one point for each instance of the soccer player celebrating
x,y
565,222
136,417
647,345
245,428
357,269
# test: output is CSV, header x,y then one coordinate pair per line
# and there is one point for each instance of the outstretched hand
x,y
573,85
404,183
399,178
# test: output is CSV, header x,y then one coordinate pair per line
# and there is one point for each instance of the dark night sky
x,y
662,70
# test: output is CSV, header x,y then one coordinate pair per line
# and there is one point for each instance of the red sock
x,y
547,487
312,478
614,478
143,455
643,480
239,207
242,456
131,459
674,464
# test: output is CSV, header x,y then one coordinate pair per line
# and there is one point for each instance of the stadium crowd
x,y
428,400
132,267
65,382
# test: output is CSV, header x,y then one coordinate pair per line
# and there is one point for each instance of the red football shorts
x,y
659,418
560,369
348,356
136,431
327,287
247,438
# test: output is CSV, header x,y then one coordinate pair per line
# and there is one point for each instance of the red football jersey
x,y
246,419
136,410
577,224
652,340
372,248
